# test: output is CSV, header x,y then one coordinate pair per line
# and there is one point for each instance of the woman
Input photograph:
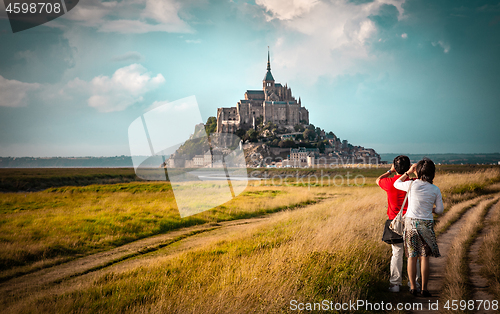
x,y
419,236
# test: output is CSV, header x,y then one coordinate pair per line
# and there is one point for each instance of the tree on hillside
x,y
241,133
211,125
252,135
299,128
258,121
269,126
274,143
287,144
321,145
309,135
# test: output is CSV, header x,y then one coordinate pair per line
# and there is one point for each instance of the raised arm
x,y
385,175
439,204
400,183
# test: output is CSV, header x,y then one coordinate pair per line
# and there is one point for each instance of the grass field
x,y
38,179
41,228
327,250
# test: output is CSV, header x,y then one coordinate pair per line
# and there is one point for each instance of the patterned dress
x,y
419,238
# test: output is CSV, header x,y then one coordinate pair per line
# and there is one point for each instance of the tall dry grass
x,y
459,187
463,191
41,229
490,254
330,250
455,285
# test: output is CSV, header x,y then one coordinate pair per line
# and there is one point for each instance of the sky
x,y
414,76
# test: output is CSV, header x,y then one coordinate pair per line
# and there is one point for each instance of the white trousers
x,y
398,251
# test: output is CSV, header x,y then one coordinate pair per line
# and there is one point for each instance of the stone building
x,y
274,103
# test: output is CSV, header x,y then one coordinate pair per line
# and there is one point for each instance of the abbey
x,y
274,103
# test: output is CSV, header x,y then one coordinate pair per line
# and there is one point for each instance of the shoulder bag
x,y
398,224
389,236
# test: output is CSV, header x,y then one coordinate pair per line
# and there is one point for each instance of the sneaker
x,y
394,288
417,286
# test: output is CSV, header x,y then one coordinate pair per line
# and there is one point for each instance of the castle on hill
x,y
274,103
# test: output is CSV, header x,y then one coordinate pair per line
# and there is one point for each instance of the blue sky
x,y
397,76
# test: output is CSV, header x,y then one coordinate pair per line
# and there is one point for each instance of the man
x,y
395,199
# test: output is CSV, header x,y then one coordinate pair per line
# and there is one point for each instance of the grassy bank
x,y
42,178
40,228
490,255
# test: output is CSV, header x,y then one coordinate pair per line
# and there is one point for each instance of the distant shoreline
x,y
126,161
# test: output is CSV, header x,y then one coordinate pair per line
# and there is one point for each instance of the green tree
x,y
258,121
287,144
241,133
309,135
211,125
252,135
269,126
299,128
274,143
321,145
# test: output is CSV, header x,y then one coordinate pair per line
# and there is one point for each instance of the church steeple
x,y
268,61
268,79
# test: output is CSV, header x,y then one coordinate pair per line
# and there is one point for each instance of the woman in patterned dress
x,y
419,237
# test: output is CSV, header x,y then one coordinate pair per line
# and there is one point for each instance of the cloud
x,y
446,47
325,38
489,8
404,35
129,56
286,9
191,41
92,12
141,27
157,104
131,16
25,54
14,93
118,92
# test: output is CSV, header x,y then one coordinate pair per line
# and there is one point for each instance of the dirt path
x,y
438,265
78,273
478,282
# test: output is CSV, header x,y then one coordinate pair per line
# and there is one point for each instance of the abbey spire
x,y
268,81
268,60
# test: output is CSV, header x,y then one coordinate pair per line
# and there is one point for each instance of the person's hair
x,y
426,170
402,164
